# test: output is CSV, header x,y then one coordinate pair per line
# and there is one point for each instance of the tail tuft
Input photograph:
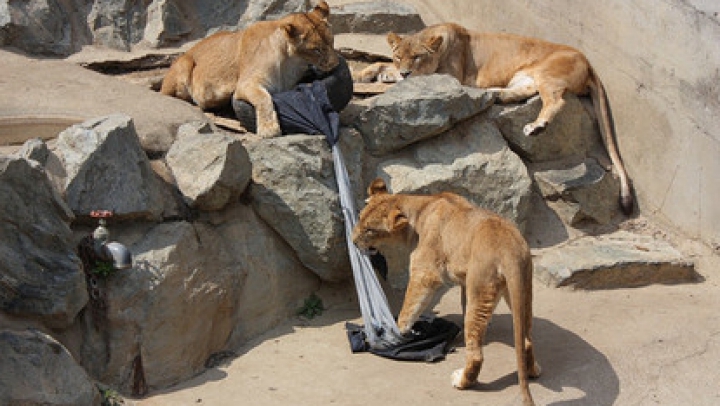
x,y
626,204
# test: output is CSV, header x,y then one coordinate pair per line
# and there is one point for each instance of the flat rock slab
x,y
618,260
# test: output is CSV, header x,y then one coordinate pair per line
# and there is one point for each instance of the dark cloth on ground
x,y
429,341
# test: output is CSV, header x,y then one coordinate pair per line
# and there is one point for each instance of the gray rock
x,y
618,260
35,149
584,192
210,168
571,135
106,168
375,18
294,190
166,24
40,275
42,27
156,324
38,370
416,109
472,160
275,282
116,24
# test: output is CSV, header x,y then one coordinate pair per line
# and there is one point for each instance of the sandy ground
x,y
657,345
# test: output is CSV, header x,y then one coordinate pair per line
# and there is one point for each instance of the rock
x,y
156,324
106,168
42,27
38,370
40,273
375,18
210,168
571,135
473,160
617,260
275,282
35,149
166,24
584,192
294,190
416,109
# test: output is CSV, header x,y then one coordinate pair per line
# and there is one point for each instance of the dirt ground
x,y
657,345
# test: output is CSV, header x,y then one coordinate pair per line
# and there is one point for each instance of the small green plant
x,y
110,397
103,269
313,306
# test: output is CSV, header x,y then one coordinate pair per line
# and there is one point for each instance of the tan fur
x,y
516,67
457,243
265,58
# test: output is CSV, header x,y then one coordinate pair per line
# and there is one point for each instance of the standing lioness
x,y
267,57
517,67
457,243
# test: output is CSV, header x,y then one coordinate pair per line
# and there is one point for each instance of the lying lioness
x,y
457,243
517,67
267,57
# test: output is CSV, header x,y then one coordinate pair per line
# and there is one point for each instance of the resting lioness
x,y
457,243
267,57
517,67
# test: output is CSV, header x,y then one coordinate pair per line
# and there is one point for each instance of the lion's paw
x,y
457,379
533,129
269,130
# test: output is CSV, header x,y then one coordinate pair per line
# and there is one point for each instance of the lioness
x,y
267,57
457,242
516,67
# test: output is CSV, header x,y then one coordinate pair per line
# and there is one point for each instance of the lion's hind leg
x,y
176,82
521,87
533,368
481,302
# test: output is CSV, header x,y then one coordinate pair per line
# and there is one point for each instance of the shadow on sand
x,y
569,363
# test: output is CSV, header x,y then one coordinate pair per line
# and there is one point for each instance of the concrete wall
x,y
660,62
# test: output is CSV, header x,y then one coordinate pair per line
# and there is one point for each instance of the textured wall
x,y
660,62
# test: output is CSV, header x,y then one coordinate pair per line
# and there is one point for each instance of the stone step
x,y
617,260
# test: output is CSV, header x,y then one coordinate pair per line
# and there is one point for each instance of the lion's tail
x,y
600,102
520,292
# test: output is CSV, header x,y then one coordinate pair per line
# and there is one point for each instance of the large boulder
x,y
572,135
295,191
210,168
472,160
156,324
38,370
105,167
40,273
416,109
378,17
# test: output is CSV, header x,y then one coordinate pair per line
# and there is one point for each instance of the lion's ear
x,y
397,220
433,43
393,39
291,30
322,9
377,187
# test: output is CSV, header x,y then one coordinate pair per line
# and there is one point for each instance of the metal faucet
x,y
106,250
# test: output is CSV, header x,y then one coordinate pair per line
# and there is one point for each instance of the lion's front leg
x,y
266,117
421,290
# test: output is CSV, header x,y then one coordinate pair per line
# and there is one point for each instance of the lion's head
x,y
381,220
417,54
311,37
